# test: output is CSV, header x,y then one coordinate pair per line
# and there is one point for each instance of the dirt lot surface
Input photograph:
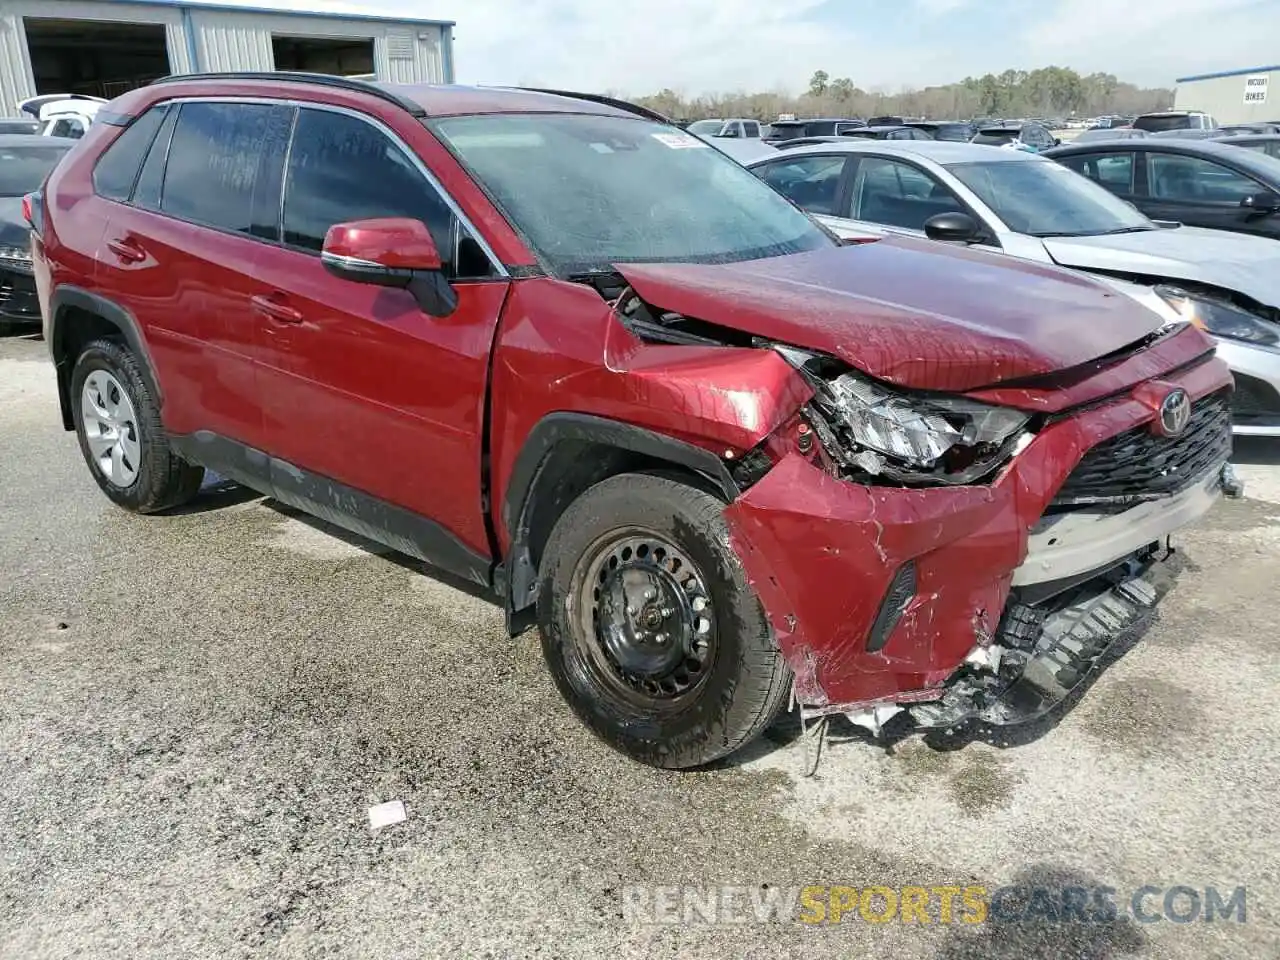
x,y
197,710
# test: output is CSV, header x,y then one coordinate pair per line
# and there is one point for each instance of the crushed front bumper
x,y
885,596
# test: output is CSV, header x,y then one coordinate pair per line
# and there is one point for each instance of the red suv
x,y
553,345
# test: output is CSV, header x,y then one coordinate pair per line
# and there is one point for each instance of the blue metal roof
x,y
294,11
1227,73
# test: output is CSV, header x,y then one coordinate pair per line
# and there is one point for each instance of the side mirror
x,y
1057,141
1262,204
391,252
952,227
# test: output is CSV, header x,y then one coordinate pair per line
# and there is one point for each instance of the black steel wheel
x,y
649,627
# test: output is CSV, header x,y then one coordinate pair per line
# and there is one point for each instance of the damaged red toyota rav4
x,y
555,346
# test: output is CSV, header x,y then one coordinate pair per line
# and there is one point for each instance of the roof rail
x,y
605,101
319,79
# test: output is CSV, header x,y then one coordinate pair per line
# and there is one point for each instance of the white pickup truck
x,y
63,114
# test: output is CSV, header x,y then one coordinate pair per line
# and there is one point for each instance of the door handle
x,y
127,249
273,309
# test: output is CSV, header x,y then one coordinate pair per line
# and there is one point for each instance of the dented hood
x,y
916,313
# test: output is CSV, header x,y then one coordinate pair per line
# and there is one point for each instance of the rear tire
x,y
118,424
649,627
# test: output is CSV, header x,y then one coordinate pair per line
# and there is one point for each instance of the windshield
x,y
1179,121
707,128
587,191
786,130
1045,199
23,169
996,137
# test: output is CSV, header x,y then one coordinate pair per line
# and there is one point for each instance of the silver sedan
x,y
1022,205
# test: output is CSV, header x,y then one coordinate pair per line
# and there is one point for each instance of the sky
x,y
710,46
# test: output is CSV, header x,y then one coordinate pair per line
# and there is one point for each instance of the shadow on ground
x,y
1046,912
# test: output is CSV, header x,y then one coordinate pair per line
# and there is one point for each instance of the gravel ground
x,y
197,710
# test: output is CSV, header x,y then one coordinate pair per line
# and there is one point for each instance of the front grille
x,y
1139,465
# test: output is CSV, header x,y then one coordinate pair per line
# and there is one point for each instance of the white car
x,y
1023,205
63,114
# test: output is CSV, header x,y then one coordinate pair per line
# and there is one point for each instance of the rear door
x,y
371,403
1202,193
179,252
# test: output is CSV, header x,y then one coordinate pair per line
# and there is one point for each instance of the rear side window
x,y
117,168
811,183
1111,170
342,169
213,163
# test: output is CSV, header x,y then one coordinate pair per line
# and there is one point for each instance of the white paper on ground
x,y
385,814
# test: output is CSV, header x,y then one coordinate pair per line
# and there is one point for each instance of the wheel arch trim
x,y
535,472
67,298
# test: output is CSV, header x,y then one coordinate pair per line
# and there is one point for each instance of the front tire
x,y
649,627
121,437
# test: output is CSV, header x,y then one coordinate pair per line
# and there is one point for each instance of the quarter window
x,y
343,169
1193,180
811,183
213,164
117,168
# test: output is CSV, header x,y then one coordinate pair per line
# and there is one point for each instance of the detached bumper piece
x,y
1043,652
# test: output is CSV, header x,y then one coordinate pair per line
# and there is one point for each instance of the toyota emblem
x,y
1175,413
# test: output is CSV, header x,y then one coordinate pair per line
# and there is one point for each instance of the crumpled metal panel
x,y
1176,350
820,552
548,360
914,313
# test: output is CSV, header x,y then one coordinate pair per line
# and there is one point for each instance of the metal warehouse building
x,y
1236,96
105,47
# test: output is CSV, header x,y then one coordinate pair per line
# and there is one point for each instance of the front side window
x,y
342,169
213,161
811,183
898,194
117,168
587,191
1194,180
1045,199
751,128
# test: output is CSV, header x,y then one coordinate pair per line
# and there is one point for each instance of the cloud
x,y
1153,43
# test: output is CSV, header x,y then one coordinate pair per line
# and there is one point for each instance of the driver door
x,y
375,408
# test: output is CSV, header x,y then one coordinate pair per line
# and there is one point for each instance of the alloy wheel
x,y
111,428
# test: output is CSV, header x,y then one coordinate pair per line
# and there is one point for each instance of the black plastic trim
x,y
901,591
603,100
68,296
354,510
317,79
528,478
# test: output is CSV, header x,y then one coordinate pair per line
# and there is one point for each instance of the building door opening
x,y
343,57
95,57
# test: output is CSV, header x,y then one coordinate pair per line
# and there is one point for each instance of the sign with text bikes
x,y
1255,88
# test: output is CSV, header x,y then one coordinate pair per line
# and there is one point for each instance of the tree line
x,y
1047,92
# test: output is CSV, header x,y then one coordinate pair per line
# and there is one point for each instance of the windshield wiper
x,y
1092,233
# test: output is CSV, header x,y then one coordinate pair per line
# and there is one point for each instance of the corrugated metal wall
x,y
16,82
224,40
1223,98
402,52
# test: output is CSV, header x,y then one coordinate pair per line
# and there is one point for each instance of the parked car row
x,y
584,360
1034,208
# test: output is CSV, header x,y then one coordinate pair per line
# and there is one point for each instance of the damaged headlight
x,y
876,429
1220,318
